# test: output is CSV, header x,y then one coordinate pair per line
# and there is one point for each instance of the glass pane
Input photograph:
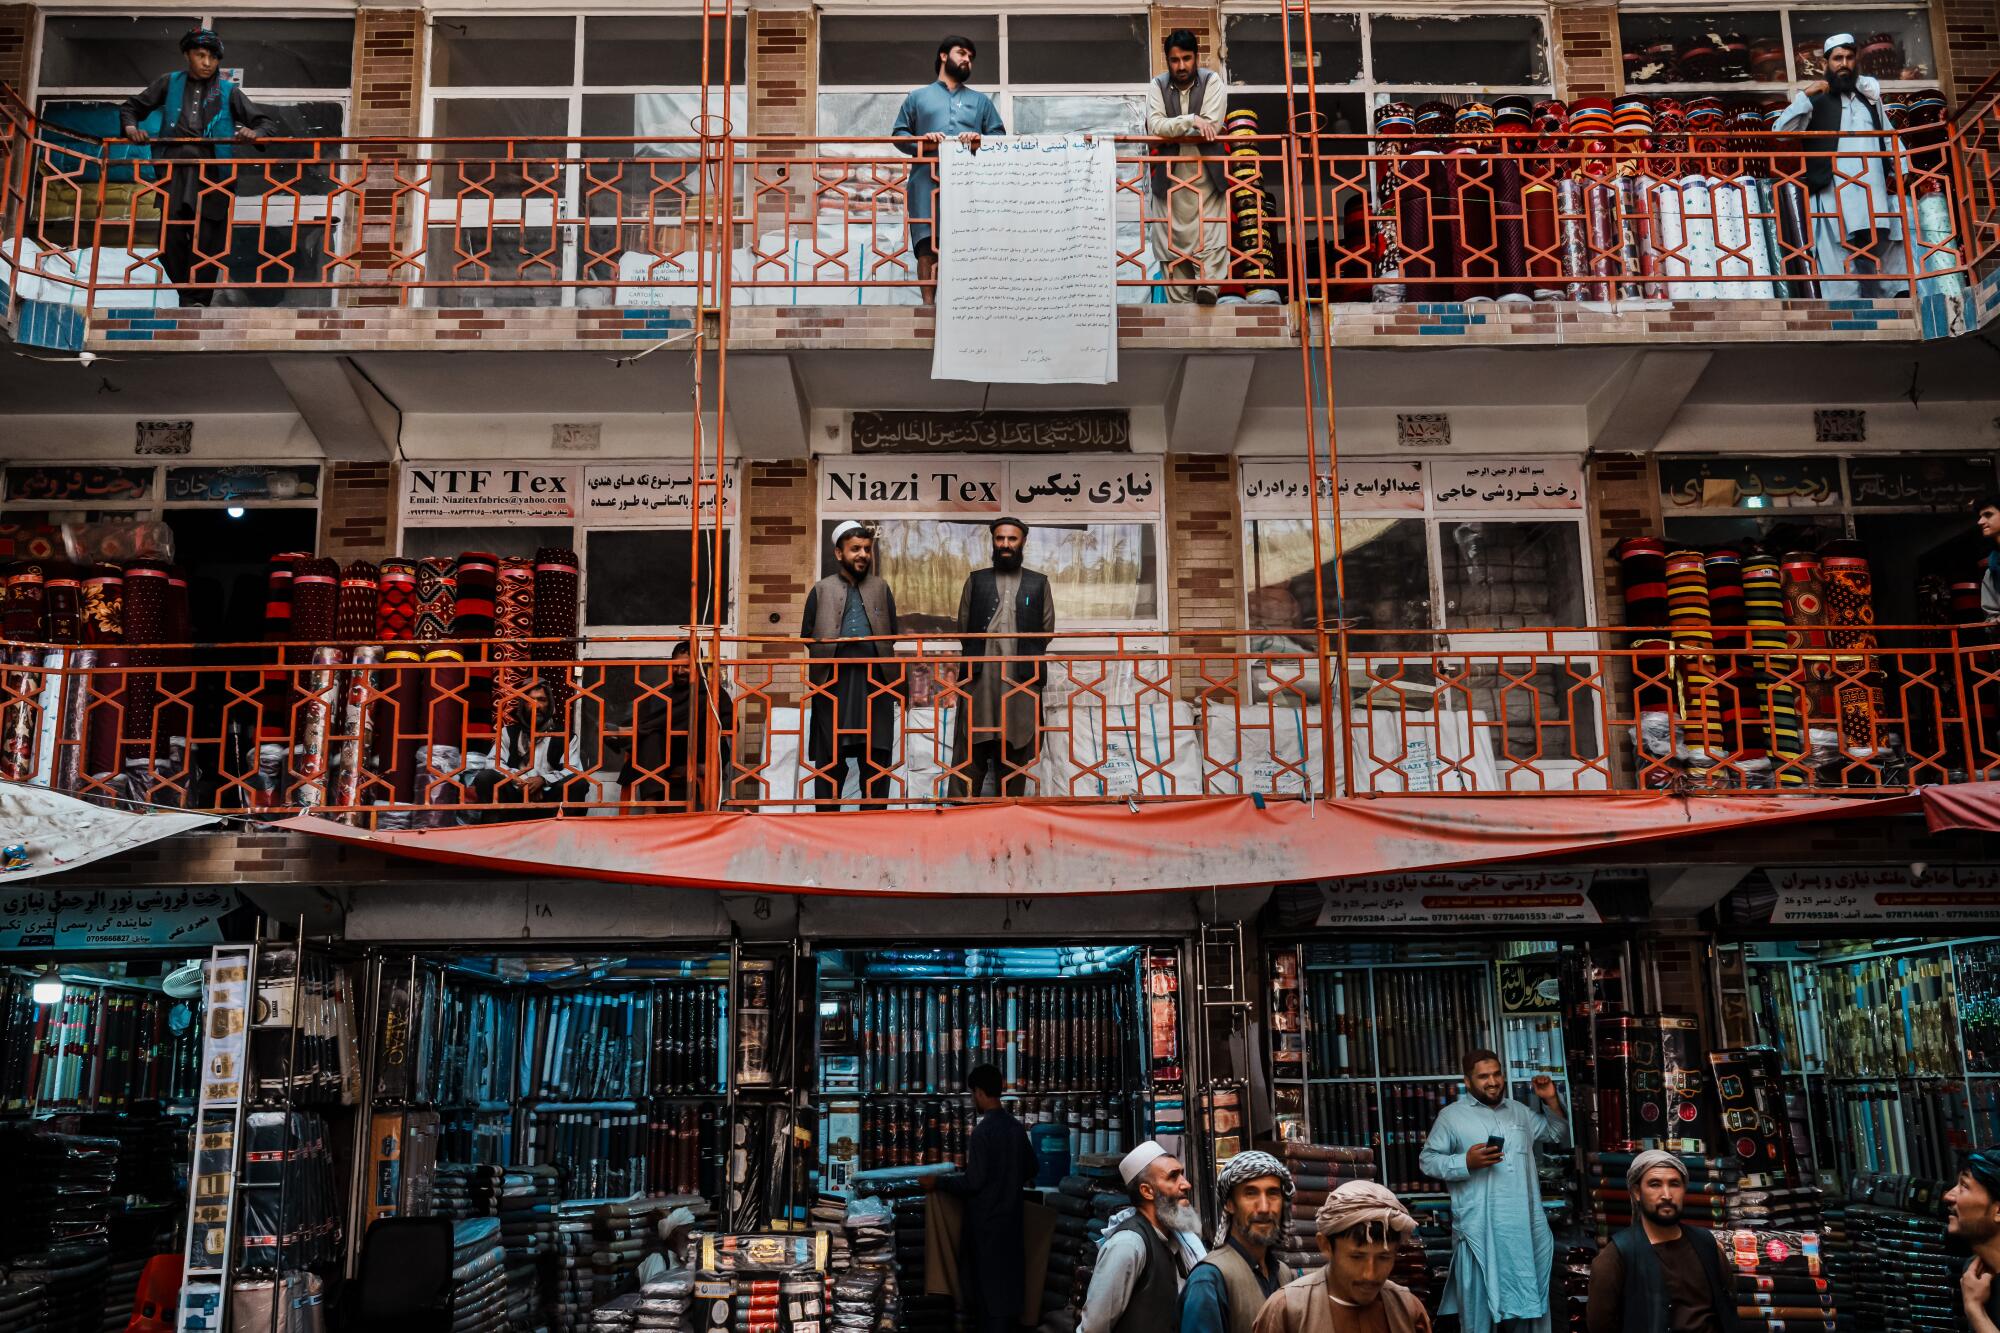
x,y
1530,714
486,255
1099,573
1077,48
299,167
1387,567
421,543
648,179
289,53
1508,575
1481,50
1895,43
1914,559
651,51
1255,49
1729,46
503,52
1769,534
530,166
111,52
1064,113
860,115
643,576
900,52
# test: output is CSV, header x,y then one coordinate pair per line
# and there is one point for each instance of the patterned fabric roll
x,y
62,603
21,622
1805,619
437,597
1936,251
1965,608
396,614
1408,182
444,712
1850,613
1510,236
145,625
1642,573
177,687
315,611
354,615
62,622
104,628
1573,224
315,602
1774,670
1795,240
1474,185
1542,240
472,627
1689,612
399,720
276,697
513,624
1635,239
1742,718
1600,199
1739,247
21,618
1684,238
556,610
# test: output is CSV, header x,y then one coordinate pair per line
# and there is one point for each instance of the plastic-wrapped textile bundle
x,y
478,1277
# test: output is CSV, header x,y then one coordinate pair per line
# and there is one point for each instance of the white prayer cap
x,y
842,529
1838,39
1136,1161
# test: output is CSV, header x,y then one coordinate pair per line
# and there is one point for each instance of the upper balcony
x,y
1557,236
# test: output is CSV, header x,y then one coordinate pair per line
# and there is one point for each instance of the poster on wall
x,y
1506,483
1460,898
66,484
1943,895
1487,485
1027,287
45,918
642,495
453,495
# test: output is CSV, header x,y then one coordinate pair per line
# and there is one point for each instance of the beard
x,y
1665,1215
1257,1231
1178,1216
1843,81
1972,1230
959,73
1006,561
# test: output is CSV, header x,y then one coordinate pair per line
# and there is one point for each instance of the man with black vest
x,y
198,115
1144,1258
999,728
1851,171
1227,1289
1657,1276
1189,230
851,614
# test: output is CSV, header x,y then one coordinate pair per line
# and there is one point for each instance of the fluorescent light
x,y
48,987
235,511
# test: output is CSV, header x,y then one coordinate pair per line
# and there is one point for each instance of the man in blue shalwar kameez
x,y
944,109
1501,1247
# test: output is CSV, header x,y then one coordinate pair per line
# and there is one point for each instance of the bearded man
x,y
1229,1287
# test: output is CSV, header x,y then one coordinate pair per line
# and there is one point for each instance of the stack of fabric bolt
x,y
1426,1275
55,1239
617,1315
1077,1227
23,1306
1317,1169
1710,1184
1894,1272
478,1277
871,1253
452,1190
524,1199
665,1299
859,1302
1570,1307
827,1215
1781,1284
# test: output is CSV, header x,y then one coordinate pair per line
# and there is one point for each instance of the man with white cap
x,y
1361,1226
1657,1276
1144,1259
1228,1288
1857,226
851,613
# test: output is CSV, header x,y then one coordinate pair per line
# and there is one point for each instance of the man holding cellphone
x,y
1483,1148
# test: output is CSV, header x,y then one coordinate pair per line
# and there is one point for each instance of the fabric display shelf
x,y
1047,1036
56,1238
912,1131
602,1246
96,1049
1647,197
1756,670
1888,1257
895,1231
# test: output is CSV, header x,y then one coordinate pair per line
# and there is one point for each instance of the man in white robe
x,y
1857,214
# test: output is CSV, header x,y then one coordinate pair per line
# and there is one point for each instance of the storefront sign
x,y
1282,490
1488,484
451,495
47,918
1927,481
79,485
171,439
242,481
1750,483
1048,488
1106,431
635,495
1831,895
1447,898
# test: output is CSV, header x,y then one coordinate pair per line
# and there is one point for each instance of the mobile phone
x,y
1496,1143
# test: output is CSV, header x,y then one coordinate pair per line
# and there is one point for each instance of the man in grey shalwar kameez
x,y
1857,216
1000,721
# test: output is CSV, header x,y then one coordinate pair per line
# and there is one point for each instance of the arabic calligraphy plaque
x,y
1750,483
60,484
1929,481
1097,431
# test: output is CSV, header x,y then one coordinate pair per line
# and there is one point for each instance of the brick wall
x,y
1204,559
17,39
1624,495
357,518
388,99
1198,19
783,70
1586,57
1970,31
778,546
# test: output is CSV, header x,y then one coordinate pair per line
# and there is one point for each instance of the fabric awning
x,y
1967,806
1041,850
60,832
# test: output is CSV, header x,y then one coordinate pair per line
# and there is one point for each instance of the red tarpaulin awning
x,y
1973,806
1038,850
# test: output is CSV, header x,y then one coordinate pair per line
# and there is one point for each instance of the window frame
x,y
1373,92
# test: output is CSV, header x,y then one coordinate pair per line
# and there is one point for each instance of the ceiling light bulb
x,y
235,511
48,986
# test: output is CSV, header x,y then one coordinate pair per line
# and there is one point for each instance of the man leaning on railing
x,y
945,108
1857,221
196,114
1187,105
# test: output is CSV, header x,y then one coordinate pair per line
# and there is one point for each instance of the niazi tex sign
x,y
1460,898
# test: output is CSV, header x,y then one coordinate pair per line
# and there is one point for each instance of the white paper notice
x,y
1026,286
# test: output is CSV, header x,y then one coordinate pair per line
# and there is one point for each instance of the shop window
x,y
1101,575
902,51
1703,47
512,52
1895,43
1482,50
1387,566
1511,575
642,577
1078,48
289,53
111,52
649,50
1256,49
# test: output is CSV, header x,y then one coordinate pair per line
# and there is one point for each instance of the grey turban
x,y
1247,1166
1646,1161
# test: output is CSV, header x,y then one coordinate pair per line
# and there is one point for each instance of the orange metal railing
x,y
620,221
776,726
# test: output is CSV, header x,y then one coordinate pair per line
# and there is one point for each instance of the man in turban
x,y
1857,222
1361,1226
1657,1276
1973,1216
1229,1287
1147,1251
